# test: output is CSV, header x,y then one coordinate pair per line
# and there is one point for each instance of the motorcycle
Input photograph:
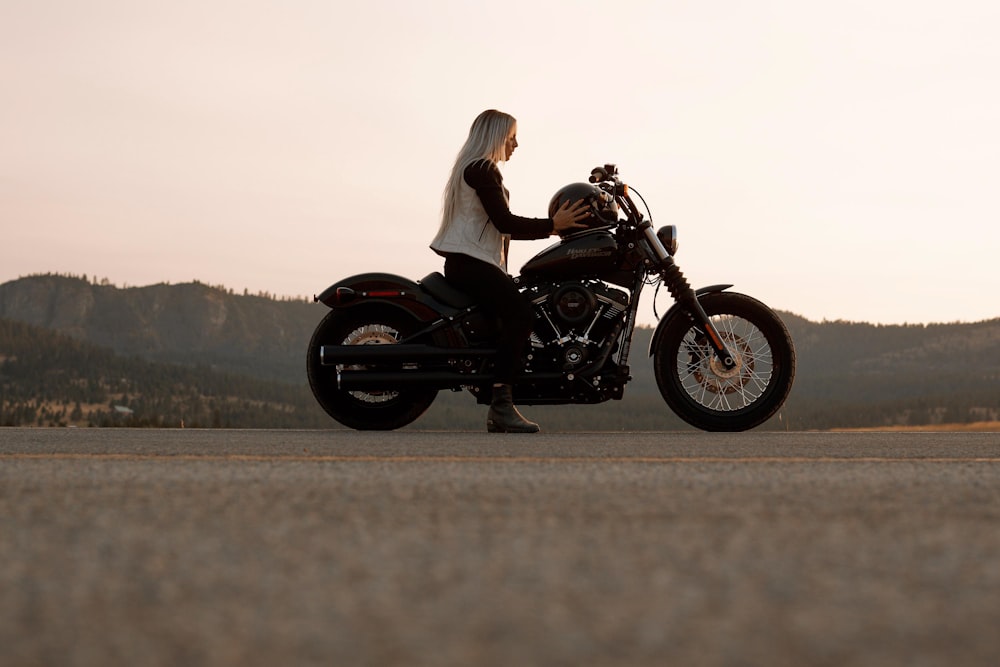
x,y
723,361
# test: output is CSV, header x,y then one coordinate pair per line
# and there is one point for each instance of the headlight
x,y
668,237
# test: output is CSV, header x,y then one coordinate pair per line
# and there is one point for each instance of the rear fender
x,y
368,288
678,310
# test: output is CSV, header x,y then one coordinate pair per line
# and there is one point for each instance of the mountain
x,y
249,350
50,379
190,323
853,374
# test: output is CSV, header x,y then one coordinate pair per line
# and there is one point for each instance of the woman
x,y
476,228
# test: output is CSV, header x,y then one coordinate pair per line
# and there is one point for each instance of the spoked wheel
x,y
382,410
701,390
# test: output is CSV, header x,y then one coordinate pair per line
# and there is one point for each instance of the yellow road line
x,y
338,458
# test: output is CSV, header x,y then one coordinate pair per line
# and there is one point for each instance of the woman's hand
x,y
566,218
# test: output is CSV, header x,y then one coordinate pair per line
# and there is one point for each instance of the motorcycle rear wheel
x,y
364,410
701,390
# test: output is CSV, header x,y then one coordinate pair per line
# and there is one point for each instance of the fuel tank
x,y
592,252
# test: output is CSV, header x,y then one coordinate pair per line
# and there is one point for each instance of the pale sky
x,y
839,160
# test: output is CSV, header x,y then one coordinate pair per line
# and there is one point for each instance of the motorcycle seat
x,y
438,286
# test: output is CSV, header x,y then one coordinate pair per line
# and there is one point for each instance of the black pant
x,y
499,298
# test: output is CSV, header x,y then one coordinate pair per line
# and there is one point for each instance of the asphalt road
x,y
144,547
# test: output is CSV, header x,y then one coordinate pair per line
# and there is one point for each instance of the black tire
x,y
698,388
361,410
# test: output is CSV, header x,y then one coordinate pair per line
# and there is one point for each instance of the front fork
x,y
681,291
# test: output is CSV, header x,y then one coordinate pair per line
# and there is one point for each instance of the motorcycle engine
x,y
573,321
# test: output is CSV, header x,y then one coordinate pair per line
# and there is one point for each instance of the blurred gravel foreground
x,y
146,547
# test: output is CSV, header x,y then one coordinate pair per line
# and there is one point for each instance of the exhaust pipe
x,y
387,379
332,355
390,380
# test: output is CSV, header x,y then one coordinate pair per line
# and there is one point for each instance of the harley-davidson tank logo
x,y
587,253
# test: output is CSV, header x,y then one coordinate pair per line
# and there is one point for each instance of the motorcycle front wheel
x,y
384,410
701,390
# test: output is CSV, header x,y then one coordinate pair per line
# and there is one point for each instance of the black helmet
x,y
603,209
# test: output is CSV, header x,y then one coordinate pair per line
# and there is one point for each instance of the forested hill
x,y
190,323
248,350
50,379
854,374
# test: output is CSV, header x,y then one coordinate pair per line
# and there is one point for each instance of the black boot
x,y
504,417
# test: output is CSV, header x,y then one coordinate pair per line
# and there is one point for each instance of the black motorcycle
x,y
723,361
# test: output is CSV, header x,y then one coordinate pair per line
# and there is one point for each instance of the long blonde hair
x,y
487,139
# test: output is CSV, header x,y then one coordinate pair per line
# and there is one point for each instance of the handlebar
x,y
606,178
608,172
